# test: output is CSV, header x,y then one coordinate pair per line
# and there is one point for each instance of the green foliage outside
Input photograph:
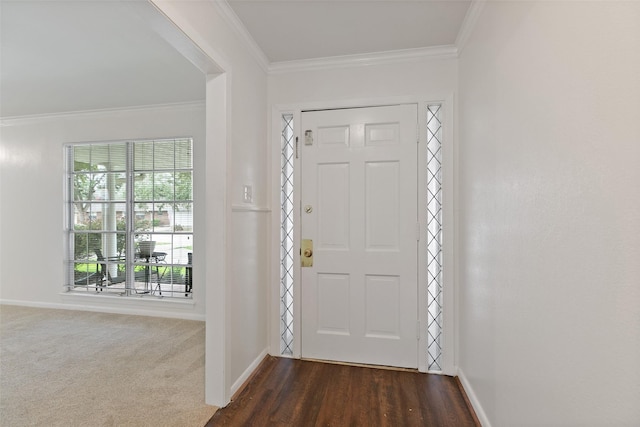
x,y
85,244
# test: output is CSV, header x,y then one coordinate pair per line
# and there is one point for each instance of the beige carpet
x,y
72,368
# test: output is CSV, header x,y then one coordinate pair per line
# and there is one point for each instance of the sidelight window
x,y
434,238
286,236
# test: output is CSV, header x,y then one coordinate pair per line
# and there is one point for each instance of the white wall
x,y
550,213
410,80
416,78
237,334
230,244
32,180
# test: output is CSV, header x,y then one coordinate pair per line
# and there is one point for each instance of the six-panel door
x,y
359,208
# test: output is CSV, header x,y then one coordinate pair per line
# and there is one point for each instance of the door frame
x,y
449,246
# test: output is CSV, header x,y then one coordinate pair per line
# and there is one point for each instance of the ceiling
x,y
289,30
60,56
69,55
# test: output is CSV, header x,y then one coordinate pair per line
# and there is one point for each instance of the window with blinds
x,y
130,218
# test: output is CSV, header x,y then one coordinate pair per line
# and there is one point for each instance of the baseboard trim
x,y
473,399
133,311
467,402
246,375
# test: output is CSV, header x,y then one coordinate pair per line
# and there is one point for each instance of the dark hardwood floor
x,y
290,392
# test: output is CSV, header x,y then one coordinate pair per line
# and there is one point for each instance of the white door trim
x,y
449,247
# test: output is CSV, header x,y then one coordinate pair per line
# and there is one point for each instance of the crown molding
x,y
345,61
236,24
469,23
15,120
377,58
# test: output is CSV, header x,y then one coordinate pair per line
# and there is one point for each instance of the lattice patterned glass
x,y
286,236
434,238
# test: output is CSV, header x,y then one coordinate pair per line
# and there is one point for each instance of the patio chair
x,y
188,279
105,277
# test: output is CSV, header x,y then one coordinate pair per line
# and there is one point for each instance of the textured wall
x,y
550,213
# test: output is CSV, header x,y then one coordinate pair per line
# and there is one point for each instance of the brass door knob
x,y
306,253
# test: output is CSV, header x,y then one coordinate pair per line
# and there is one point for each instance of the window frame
x,y
126,266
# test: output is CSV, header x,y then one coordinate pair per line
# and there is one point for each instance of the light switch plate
x,y
247,194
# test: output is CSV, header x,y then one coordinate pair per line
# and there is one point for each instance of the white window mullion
x,y
129,221
70,243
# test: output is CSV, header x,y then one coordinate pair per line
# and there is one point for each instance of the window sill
x,y
132,305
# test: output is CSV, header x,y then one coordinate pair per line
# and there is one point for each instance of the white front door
x,y
359,209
